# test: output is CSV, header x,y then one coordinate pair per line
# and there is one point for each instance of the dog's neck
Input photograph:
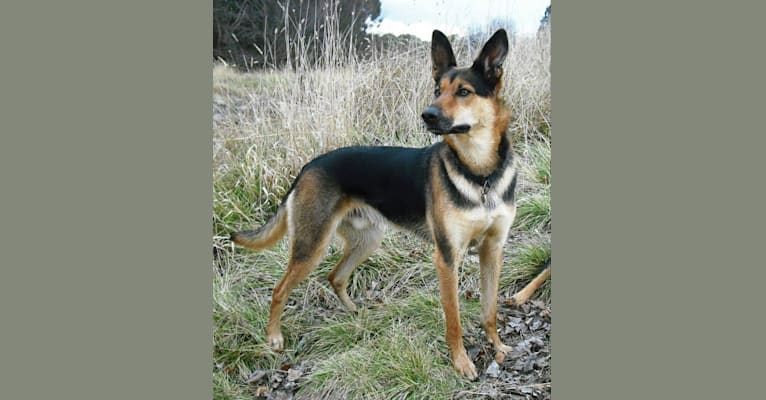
x,y
477,150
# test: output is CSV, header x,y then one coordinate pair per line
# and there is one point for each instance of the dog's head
x,y
465,98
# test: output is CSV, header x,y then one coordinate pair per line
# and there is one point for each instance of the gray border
x,y
106,170
105,164
654,197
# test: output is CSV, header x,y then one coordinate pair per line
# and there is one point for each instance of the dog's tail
x,y
265,236
523,295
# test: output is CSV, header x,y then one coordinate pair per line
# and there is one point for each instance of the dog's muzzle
x,y
437,124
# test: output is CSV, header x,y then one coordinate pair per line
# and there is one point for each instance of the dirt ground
x,y
525,373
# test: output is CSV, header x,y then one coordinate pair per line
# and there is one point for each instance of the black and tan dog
x,y
457,192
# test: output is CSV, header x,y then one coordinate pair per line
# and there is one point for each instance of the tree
x,y
545,22
292,33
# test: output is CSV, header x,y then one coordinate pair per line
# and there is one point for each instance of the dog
x,y
455,193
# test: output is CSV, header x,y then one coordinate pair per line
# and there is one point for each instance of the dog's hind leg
x,y
359,243
314,211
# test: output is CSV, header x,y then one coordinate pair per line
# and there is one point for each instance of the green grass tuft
x,y
400,363
534,212
226,388
527,262
539,163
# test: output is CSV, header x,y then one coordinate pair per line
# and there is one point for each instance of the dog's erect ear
x,y
441,55
489,63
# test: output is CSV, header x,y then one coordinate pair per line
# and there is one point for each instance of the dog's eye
x,y
462,92
437,92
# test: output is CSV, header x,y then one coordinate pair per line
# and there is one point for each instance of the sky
x,y
421,17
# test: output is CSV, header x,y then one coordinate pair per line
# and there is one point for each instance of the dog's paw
x,y
464,365
501,350
517,299
350,306
276,342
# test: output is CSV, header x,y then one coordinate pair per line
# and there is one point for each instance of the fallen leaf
x,y
524,364
473,352
536,340
280,395
526,389
493,370
261,391
293,374
256,376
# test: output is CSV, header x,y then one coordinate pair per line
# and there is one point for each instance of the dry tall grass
x,y
267,124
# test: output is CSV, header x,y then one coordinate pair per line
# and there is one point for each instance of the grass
x,y
267,124
534,211
538,165
403,365
527,261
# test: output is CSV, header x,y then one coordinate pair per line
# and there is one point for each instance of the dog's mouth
x,y
438,124
460,128
457,129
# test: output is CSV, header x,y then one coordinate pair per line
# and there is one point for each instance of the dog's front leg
x,y
447,259
491,262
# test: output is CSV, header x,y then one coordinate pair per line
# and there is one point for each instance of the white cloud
x,y
421,17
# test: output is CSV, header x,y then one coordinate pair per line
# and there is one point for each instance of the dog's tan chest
x,y
494,212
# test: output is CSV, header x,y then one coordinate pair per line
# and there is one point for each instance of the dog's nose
x,y
431,115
